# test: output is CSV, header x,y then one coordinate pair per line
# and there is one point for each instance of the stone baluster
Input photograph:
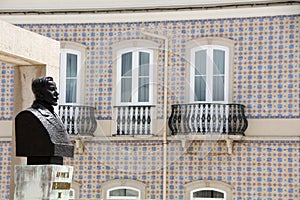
x,y
149,121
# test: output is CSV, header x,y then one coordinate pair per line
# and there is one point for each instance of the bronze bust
x,y
40,134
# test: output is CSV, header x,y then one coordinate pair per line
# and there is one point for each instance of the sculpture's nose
x,y
56,93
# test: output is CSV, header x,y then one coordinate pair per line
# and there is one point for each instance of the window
x,y
72,193
134,67
71,73
123,189
208,190
70,66
210,60
123,193
135,76
208,194
209,73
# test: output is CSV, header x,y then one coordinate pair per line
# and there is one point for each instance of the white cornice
x,y
152,16
46,5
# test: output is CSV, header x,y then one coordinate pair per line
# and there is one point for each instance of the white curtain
x,y
218,75
71,90
200,76
126,77
71,78
143,82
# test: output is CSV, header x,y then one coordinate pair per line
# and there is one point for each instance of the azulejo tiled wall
x,y
265,79
256,169
104,160
6,92
5,162
265,70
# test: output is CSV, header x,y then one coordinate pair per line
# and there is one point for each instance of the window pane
x,y
126,64
126,85
123,193
200,62
200,88
71,65
143,90
208,194
219,61
144,60
119,192
132,193
218,88
143,81
71,88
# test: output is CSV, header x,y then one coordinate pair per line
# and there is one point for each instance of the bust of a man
x,y
40,134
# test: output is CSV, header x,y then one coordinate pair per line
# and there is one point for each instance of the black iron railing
x,y
78,120
133,120
204,118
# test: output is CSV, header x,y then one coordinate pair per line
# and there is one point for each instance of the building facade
x,y
189,103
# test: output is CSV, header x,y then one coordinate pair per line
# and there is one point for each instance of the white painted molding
x,y
5,139
273,127
152,16
116,4
212,184
6,129
289,131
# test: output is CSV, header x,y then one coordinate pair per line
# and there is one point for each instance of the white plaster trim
x,y
115,4
153,16
279,138
186,138
273,127
5,139
6,128
115,138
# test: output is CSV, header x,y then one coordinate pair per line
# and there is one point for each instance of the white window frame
x,y
123,197
123,183
208,188
209,73
63,73
208,184
135,76
73,192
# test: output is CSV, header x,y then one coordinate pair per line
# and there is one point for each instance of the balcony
x,y
133,120
78,120
208,118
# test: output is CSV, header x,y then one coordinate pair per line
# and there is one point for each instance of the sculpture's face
x,y
50,94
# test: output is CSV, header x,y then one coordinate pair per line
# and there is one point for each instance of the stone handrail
x,y
78,120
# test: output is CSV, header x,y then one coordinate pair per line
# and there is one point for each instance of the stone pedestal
x,y
42,182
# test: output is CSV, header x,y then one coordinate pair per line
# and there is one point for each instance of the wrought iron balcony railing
x,y
204,118
78,120
133,120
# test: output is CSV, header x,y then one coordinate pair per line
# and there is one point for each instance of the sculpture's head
x,y
44,89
